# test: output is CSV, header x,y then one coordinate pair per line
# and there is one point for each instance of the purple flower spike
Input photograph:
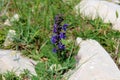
x,y
59,33
61,46
54,39
62,35
64,27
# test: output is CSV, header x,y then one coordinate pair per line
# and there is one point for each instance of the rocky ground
x,y
97,57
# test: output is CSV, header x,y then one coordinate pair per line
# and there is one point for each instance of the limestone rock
x,y
94,63
13,61
107,11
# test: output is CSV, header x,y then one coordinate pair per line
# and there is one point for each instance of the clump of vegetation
x,y
59,34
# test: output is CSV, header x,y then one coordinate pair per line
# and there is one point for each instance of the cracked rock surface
x,y
94,63
11,60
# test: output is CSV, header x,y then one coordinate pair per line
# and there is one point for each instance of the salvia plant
x,y
59,33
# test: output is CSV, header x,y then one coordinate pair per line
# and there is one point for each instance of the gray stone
x,y
13,61
107,11
94,63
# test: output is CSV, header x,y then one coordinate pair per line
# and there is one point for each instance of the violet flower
x,y
64,27
62,35
59,33
61,46
54,39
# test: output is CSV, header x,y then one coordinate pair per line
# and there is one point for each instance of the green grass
x,y
34,30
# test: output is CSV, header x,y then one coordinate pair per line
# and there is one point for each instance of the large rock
x,y
94,63
107,11
13,61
